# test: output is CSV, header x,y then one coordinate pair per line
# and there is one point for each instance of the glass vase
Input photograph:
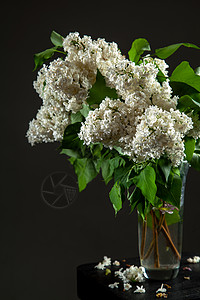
x,y
160,238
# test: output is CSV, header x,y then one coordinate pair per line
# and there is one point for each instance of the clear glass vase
x,y
160,238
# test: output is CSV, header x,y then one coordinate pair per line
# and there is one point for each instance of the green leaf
x,y
186,102
135,198
165,166
167,51
137,49
172,192
109,165
185,74
85,171
41,57
145,181
70,152
195,161
115,197
100,91
85,110
70,138
77,117
172,218
56,39
189,148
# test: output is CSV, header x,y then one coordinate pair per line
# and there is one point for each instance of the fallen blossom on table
x,y
139,289
194,260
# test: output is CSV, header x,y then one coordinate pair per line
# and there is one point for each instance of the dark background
x,y
40,246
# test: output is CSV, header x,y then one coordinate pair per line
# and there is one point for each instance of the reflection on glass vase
x,y
160,238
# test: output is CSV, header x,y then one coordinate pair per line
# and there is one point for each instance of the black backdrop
x,y
41,246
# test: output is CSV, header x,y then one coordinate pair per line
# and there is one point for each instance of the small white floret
x,y
194,260
127,286
116,263
161,289
140,289
114,285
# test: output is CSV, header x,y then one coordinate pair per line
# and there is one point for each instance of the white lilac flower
x,y
194,260
105,263
140,289
100,266
127,286
113,285
116,263
131,274
161,289
108,123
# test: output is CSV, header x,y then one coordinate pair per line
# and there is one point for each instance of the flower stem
x,y
144,231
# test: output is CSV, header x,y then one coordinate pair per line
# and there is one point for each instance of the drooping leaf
x,y
85,110
41,57
135,198
186,102
165,165
185,74
116,197
145,181
70,138
137,49
85,171
71,153
195,161
56,39
100,91
108,167
172,218
189,147
167,51
172,192
77,117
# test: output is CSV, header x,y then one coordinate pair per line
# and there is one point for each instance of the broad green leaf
x,y
77,117
109,165
70,138
165,166
186,102
122,174
143,207
135,198
172,218
107,171
56,39
167,51
137,49
172,192
70,152
195,161
145,181
115,197
100,91
85,110
189,147
41,57
185,74
85,171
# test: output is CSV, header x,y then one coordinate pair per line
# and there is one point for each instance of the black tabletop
x,y
92,284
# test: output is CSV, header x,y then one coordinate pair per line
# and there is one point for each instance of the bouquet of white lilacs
x,y
125,118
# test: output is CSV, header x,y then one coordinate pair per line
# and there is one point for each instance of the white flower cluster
x,y
64,84
144,121
131,274
141,136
